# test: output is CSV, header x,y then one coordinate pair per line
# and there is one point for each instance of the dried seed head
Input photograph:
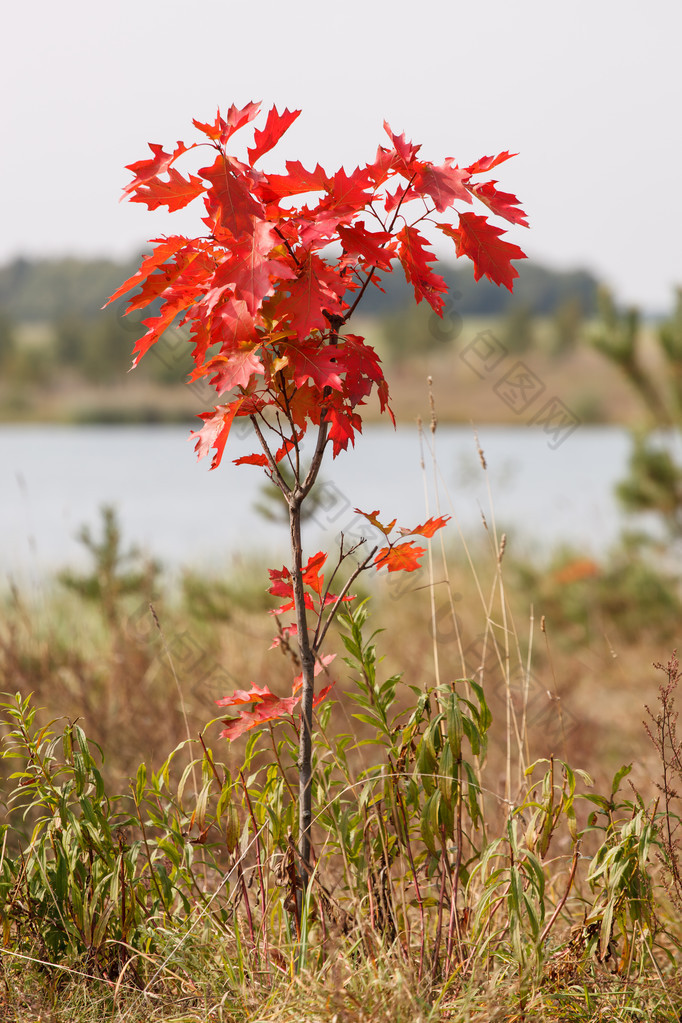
x,y
432,404
480,452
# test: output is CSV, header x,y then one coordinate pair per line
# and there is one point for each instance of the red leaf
x,y
269,136
215,431
170,310
232,370
384,164
288,444
444,184
402,194
296,181
165,248
233,325
286,631
280,582
404,557
251,460
145,170
174,193
348,194
430,527
372,517
322,695
229,201
267,706
222,129
254,695
415,258
376,248
269,709
487,163
344,426
502,204
317,288
250,267
405,151
319,364
480,241
311,572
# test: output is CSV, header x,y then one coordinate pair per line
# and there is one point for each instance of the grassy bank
x,y
502,847
466,387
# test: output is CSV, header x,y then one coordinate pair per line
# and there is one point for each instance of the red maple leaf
x,y
251,267
321,364
320,665
240,696
223,128
375,248
502,204
175,304
372,517
174,193
269,136
415,257
280,582
316,289
232,370
344,424
487,163
348,194
405,151
445,184
251,460
229,201
429,528
266,706
165,248
403,194
146,170
232,325
296,181
270,708
403,557
481,242
311,572
215,431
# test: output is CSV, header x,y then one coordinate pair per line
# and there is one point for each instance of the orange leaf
x,y
404,557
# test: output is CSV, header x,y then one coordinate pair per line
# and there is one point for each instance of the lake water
x,y
55,478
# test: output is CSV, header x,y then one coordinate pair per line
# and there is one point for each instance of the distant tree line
x,y
46,290
538,289
65,296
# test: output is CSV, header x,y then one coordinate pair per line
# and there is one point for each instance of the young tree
x,y
268,309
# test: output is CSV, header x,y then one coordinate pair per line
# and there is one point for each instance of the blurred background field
x,y
65,359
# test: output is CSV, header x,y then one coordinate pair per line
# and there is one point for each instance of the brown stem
x,y
308,691
562,900
255,831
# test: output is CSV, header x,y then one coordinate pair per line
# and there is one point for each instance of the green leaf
x,y
623,772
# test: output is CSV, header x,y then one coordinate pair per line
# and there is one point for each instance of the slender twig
x,y
272,464
258,860
562,901
210,762
320,634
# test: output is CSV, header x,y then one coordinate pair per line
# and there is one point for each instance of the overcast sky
x,y
588,93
